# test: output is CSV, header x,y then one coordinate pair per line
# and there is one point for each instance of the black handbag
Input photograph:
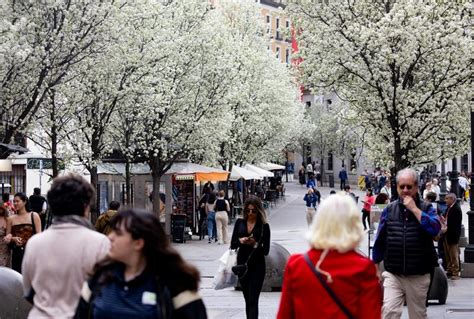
x,y
241,270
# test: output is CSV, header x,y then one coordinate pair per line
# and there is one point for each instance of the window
x,y
287,24
330,162
464,163
268,24
308,103
277,26
277,51
353,161
287,56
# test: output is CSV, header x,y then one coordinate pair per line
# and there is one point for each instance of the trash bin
x,y
178,226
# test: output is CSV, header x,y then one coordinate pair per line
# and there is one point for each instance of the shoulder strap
x,y
327,288
33,223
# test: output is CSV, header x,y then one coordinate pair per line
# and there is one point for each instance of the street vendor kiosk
x,y
181,218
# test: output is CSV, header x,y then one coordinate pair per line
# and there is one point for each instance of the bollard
x,y
12,303
275,267
275,264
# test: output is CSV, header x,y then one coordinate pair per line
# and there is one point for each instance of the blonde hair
x,y
337,224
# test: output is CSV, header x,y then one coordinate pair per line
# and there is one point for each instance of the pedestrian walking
x,y
222,218
404,242
451,236
211,217
301,177
102,225
332,279
312,183
311,199
309,170
143,276
20,228
251,236
8,204
57,261
343,177
4,250
39,205
368,201
463,186
386,189
202,212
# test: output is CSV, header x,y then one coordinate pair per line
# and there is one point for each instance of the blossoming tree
x,y
403,67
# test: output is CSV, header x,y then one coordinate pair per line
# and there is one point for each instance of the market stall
x,y
180,184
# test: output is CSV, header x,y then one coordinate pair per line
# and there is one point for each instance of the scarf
x,y
72,219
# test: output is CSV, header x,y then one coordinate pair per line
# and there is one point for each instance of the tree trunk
x,y
95,183
128,195
54,150
156,174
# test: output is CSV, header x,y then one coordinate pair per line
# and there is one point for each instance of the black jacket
x,y
261,234
409,249
454,216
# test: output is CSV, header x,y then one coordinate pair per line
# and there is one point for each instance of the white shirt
x,y
56,264
463,182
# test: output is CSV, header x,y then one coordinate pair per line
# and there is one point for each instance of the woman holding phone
x,y
251,236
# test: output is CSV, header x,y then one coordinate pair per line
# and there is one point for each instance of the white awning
x,y
271,166
260,171
239,172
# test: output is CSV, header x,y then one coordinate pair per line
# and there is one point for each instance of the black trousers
x,y
343,184
17,258
365,215
252,286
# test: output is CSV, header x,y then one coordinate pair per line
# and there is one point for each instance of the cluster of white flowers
x,y
158,80
405,67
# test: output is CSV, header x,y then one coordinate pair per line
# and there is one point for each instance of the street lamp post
x,y
442,180
454,178
468,267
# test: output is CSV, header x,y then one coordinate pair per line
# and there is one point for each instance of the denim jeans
x,y
211,225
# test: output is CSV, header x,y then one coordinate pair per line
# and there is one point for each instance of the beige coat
x,y
56,264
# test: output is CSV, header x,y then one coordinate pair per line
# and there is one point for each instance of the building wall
x,y
278,28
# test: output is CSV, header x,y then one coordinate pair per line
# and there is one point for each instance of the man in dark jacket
x,y
404,242
451,237
343,177
38,205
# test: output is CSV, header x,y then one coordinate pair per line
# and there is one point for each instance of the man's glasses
x,y
405,186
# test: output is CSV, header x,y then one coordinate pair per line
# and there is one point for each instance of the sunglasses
x,y
251,210
406,186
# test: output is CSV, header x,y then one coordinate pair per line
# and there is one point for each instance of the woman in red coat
x,y
334,235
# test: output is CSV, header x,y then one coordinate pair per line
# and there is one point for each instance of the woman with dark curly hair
x,y
143,276
251,236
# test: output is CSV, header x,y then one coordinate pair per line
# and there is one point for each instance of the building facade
x,y
277,28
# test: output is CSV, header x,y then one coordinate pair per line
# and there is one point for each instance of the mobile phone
x,y
251,235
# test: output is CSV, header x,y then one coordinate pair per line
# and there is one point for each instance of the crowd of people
x,y
404,253
125,267
71,270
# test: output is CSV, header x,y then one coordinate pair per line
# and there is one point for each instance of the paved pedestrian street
x,y
288,228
